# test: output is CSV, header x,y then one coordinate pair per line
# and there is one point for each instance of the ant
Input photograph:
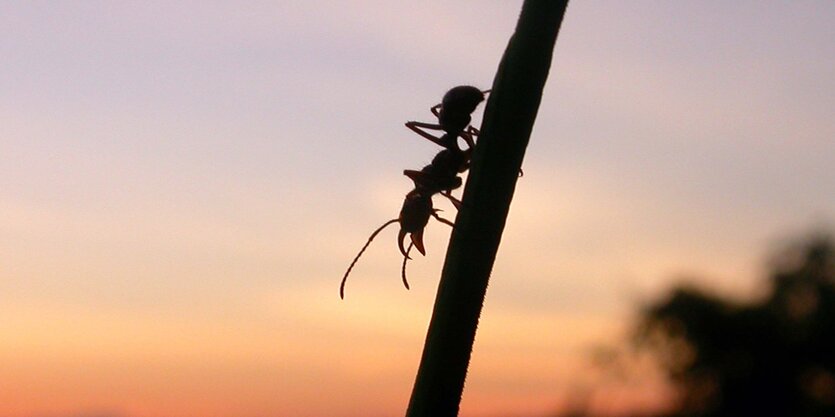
x,y
439,177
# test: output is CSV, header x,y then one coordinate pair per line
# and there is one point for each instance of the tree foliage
x,y
772,357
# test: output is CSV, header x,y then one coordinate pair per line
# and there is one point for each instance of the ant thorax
x,y
453,122
450,141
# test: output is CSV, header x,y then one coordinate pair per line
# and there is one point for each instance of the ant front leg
x,y
468,136
418,127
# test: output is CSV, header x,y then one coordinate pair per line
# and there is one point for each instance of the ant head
x,y
464,97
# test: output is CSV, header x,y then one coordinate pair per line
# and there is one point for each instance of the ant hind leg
x,y
441,219
455,202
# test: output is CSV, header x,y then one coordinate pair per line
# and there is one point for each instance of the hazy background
x,y
182,185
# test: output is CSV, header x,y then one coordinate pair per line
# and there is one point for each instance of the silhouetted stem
x,y
508,121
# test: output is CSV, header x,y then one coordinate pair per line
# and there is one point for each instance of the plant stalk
x,y
508,121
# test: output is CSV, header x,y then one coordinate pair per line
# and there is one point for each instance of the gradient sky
x,y
182,185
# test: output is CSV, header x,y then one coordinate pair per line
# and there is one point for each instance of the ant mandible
x,y
439,177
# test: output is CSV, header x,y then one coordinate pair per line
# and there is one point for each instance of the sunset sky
x,y
182,185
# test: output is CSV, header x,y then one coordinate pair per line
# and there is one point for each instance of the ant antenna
x,y
370,238
403,268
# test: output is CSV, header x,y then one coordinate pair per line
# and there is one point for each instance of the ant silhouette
x,y
439,177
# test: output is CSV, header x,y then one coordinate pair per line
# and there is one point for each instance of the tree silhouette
x,y
772,357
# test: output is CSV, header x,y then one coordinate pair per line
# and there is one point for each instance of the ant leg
x,y
455,202
441,219
370,238
403,268
424,125
436,110
468,137
418,127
